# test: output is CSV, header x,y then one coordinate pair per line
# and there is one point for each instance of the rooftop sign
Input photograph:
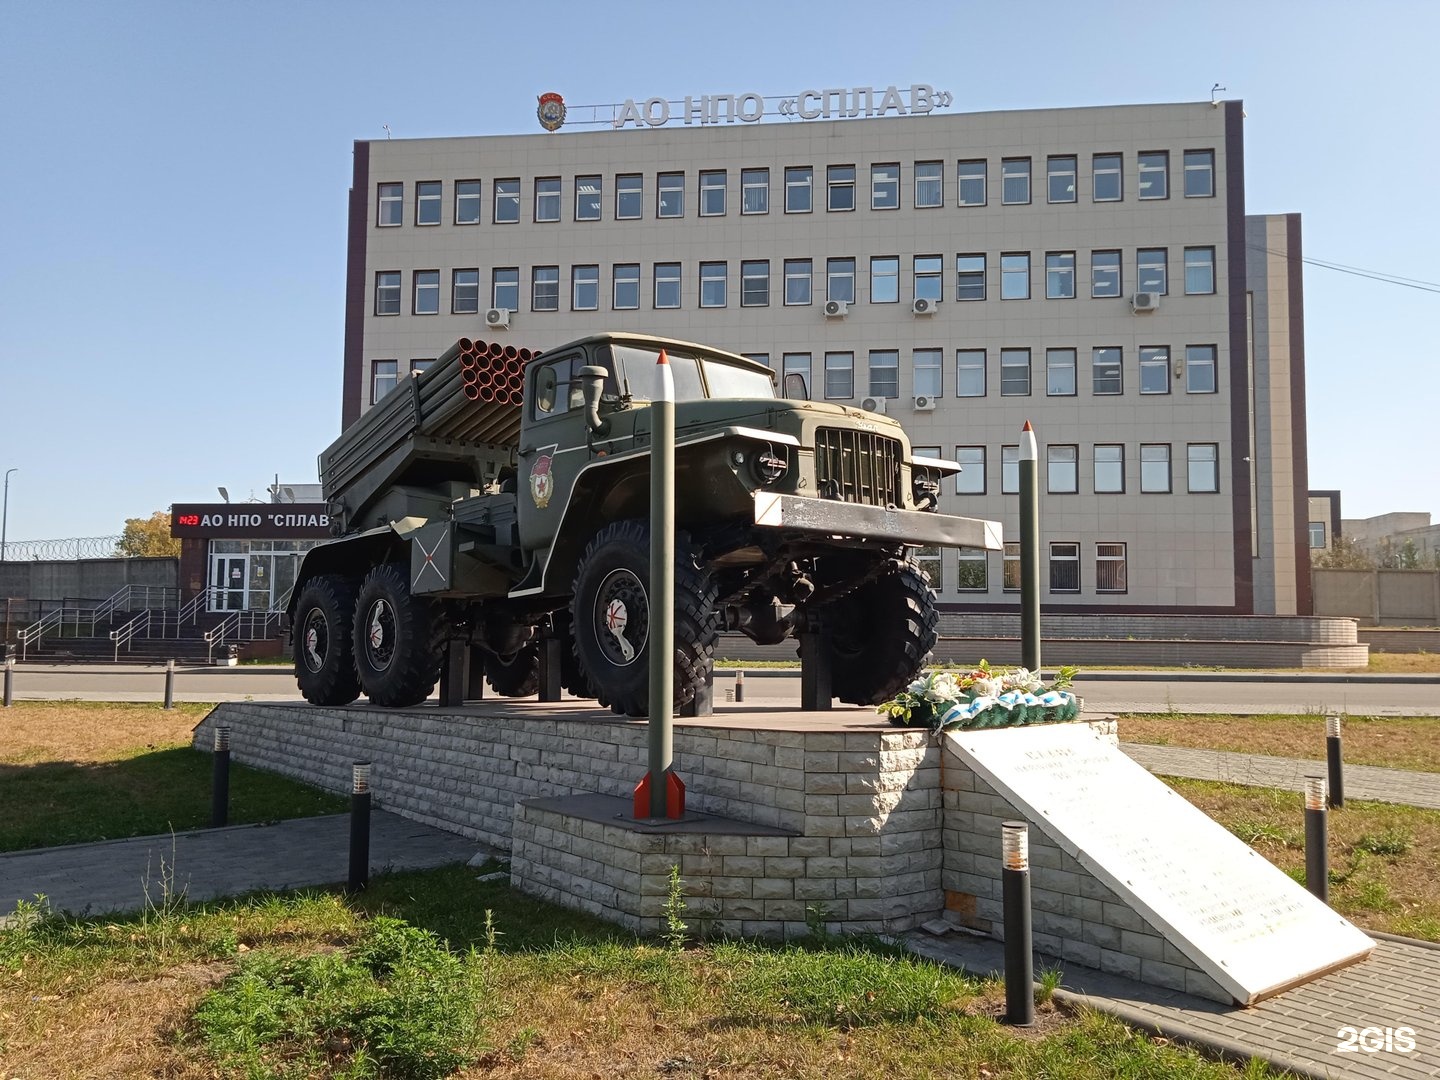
x,y
748,108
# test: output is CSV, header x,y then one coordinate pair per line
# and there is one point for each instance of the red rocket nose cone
x,y
663,359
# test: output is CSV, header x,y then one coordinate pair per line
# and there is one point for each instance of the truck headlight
x,y
769,466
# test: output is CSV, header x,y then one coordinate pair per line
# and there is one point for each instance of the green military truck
x,y
501,500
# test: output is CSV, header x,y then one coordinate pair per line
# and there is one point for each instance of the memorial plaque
x,y
1242,920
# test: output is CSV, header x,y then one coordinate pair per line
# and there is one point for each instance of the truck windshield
x,y
724,380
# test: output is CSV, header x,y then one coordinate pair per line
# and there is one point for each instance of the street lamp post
x,y
5,513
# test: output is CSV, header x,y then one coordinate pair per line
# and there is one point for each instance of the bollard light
x,y
1015,845
360,776
222,737
1317,843
1314,793
1334,763
1015,910
1332,727
359,875
220,778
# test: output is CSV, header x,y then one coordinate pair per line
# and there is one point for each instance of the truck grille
x,y
857,467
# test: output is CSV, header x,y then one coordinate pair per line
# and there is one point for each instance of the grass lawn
x,y
1394,742
79,771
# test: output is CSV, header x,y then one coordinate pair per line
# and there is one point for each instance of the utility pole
x,y
1029,550
5,513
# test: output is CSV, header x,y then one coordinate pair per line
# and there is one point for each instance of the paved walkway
x,y
123,875
1361,781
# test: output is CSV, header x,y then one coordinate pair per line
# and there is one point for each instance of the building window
x,y
969,277
1204,471
584,288
1060,372
1106,372
1015,275
1105,273
587,198
1062,473
1155,467
713,284
712,193
760,358
929,184
505,288
1010,575
387,292
928,373
1060,275
839,375
1108,178
884,279
1015,181
794,363
545,288
1199,271
1151,270
629,196
799,275
670,195
667,285
427,202
547,198
417,367
507,202
970,480
1155,175
1110,568
840,188
1200,369
627,287
1009,470
930,562
465,292
1109,469
884,187
467,202
972,571
798,181
840,280
1064,568
1154,369
755,283
969,372
970,183
1014,372
754,191
1317,534
383,378
930,277
390,208
1060,173
1199,174
884,373
427,292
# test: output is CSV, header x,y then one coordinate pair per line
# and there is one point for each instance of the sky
x,y
172,265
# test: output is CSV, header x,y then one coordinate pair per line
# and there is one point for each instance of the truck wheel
x,y
880,636
611,618
399,640
323,643
514,676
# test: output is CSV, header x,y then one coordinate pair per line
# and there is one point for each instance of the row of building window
x,y
1107,472
713,194
972,568
798,285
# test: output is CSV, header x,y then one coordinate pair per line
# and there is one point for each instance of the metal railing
x,y
244,626
77,619
128,632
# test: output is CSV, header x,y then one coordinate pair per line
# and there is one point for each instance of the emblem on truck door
x,y
542,483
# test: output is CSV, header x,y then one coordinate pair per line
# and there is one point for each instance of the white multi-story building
x,y
1089,270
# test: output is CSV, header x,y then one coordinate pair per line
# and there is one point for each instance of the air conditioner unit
x,y
497,318
924,306
924,403
874,404
836,309
1145,301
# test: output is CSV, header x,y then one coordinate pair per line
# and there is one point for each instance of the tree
x,y
148,537
1343,555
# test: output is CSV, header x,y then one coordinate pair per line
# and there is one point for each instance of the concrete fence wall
x,y
1379,597
87,579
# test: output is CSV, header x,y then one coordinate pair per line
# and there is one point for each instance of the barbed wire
x,y
75,547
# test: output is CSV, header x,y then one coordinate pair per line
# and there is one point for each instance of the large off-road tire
x,y
610,614
324,642
880,636
399,639
517,675
572,676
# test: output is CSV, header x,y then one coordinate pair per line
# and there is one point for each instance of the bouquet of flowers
x,y
984,697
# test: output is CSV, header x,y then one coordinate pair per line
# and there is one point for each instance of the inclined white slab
x,y
1243,921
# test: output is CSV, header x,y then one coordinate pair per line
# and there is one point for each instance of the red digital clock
x,y
187,519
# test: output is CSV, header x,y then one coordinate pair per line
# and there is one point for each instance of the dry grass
x,y
1403,663
1394,742
89,732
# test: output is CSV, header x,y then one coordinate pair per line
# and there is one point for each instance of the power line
x,y
1355,271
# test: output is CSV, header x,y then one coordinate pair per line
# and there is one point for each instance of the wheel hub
x,y
316,641
380,634
622,617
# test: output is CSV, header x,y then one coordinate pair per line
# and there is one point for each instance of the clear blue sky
x,y
172,262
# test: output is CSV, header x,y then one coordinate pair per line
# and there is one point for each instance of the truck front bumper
x,y
825,517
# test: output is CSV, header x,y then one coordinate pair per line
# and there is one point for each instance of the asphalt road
x,y
1197,692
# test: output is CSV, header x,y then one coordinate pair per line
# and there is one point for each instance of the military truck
x,y
501,500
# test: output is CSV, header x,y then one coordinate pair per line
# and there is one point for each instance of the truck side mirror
x,y
592,382
795,389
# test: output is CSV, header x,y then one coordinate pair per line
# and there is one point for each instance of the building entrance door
x,y
228,582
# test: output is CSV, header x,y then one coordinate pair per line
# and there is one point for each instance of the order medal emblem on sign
x,y
551,111
542,483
